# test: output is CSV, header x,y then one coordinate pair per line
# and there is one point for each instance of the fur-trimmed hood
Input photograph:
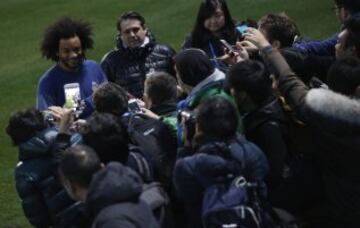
x,y
333,110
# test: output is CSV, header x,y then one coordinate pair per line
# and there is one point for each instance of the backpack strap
x,y
142,165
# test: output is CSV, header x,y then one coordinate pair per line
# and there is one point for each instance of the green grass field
x,y
22,23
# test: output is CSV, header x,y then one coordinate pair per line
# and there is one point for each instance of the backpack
x,y
153,194
155,139
233,203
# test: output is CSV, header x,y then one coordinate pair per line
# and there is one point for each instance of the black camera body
x,y
48,117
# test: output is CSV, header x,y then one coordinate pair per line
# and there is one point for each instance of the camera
x,y
189,119
48,116
133,106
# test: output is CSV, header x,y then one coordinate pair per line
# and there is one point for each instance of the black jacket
x,y
128,67
267,128
44,201
113,199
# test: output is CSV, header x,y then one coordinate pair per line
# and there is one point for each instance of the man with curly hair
x,y
73,78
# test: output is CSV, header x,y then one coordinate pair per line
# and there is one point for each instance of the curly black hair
x,y
24,124
65,28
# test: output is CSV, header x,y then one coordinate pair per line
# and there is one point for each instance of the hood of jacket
x,y
165,108
334,112
37,146
237,156
113,184
212,79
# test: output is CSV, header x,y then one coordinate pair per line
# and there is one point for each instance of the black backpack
x,y
155,139
233,202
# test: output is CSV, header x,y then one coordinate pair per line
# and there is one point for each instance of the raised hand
x,y
256,37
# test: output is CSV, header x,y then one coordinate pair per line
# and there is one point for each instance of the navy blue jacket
x,y
44,201
324,47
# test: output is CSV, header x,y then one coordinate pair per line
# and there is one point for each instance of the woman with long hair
x,y
213,23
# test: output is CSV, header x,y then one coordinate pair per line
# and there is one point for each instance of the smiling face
x,y
132,33
216,21
70,53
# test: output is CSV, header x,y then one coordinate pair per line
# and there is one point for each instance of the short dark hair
x,y
353,6
352,25
217,118
24,124
161,87
110,98
279,27
344,76
251,77
131,15
200,35
106,134
79,164
193,66
65,28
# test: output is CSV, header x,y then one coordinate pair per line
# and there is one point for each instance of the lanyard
x,y
214,55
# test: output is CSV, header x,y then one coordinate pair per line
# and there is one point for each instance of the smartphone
x,y
72,95
227,45
133,106
242,29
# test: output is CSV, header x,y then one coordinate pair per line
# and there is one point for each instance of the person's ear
x,y
274,82
70,188
147,100
276,44
345,13
234,94
353,51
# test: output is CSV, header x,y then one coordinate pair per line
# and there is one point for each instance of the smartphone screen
x,y
242,29
133,106
227,45
72,95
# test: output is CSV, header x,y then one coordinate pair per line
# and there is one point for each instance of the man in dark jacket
x,y
44,201
136,55
217,152
265,123
333,118
111,194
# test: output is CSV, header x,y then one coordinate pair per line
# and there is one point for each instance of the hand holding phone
x,y
72,95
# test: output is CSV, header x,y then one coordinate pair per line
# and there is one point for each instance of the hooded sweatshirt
x,y
113,199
